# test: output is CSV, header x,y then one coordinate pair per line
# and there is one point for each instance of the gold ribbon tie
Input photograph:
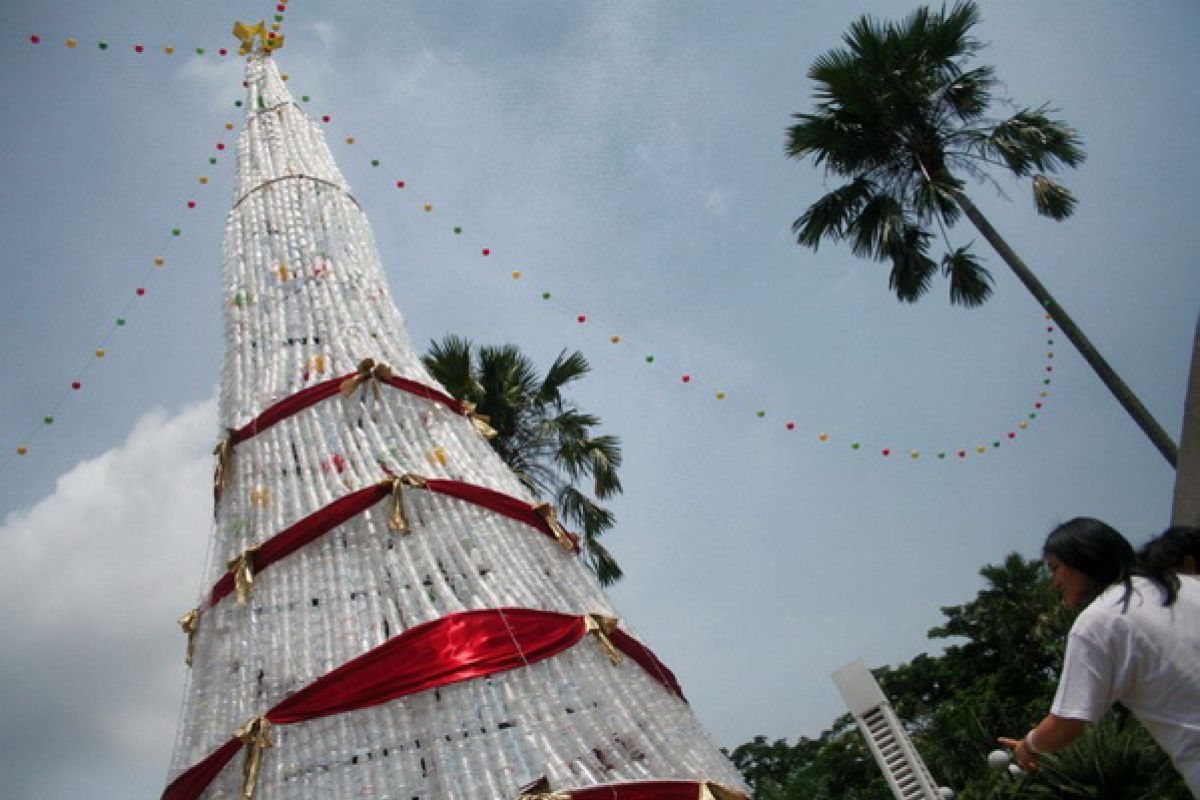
x,y
256,734
242,569
190,622
223,469
563,536
397,519
711,790
368,371
481,422
603,626
540,790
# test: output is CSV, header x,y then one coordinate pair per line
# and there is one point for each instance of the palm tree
x,y
902,115
544,438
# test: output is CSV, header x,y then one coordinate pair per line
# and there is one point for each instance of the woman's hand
x,y
1026,758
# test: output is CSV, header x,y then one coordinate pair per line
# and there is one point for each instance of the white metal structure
x,y
902,766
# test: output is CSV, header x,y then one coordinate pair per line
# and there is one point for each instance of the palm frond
x,y
970,281
449,362
1052,199
567,367
912,269
830,216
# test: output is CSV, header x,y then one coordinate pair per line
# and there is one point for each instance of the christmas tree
x,y
391,614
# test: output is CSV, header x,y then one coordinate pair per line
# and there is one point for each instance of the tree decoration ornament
x,y
141,292
761,413
220,145
169,50
325,118
159,261
822,437
223,52
203,180
176,232
76,385
102,45
686,379
374,162
304,98
120,322
720,395
885,452
914,454
191,203
855,445
349,140
615,339
581,319
22,450
428,207
70,43
35,39
516,274
486,251
47,420
137,48
400,184
99,352
649,359
212,160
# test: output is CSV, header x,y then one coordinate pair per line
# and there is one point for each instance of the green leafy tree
x,y
547,441
902,116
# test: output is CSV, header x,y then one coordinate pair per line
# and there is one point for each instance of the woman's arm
x,y
1052,734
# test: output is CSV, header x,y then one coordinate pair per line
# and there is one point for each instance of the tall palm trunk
x,y
1123,393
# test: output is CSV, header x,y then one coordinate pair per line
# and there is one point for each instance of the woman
x,y
1136,640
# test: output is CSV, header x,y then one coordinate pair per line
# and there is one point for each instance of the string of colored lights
x,y
120,319
518,273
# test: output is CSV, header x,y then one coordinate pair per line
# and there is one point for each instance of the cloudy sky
x,y
627,159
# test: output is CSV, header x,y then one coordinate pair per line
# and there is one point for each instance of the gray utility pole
x,y
1185,509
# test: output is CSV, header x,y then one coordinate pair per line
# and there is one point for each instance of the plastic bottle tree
x,y
391,614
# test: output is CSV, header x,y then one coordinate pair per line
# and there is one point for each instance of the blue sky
x,y
627,158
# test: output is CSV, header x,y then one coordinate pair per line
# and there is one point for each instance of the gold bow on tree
x,y
368,370
242,569
563,536
603,627
481,422
257,736
398,520
190,622
223,469
248,33
711,790
540,790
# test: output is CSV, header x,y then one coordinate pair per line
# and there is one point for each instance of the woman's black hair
x,y
1162,557
1096,550
1168,551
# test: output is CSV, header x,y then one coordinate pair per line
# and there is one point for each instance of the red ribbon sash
x,y
455,648
317,524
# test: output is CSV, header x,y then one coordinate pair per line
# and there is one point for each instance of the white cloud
x,y
91,581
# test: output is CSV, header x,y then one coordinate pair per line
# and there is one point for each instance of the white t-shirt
x,y
1148,658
